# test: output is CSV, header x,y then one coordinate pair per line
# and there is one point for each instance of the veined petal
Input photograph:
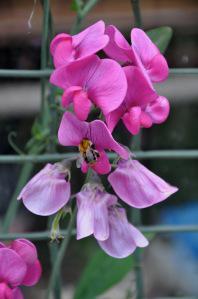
x,y
102,138
138,186
90,40
107,87
158,110
47,192
12,267
71,130
158,69
118,48
123,237
76,73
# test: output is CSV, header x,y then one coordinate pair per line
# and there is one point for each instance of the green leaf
x,y
161,37
101,273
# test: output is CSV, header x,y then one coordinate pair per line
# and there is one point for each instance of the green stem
x,y
60,255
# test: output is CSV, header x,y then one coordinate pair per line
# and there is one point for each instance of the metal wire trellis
x,y
35,157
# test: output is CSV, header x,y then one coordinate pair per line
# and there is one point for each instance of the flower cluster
x,y
19,266
121,88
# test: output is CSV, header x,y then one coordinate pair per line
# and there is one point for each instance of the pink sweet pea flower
x,y
142,106
91,139
66,48
142,53
91,80
123,238
92,217
48,191
19,265
138,186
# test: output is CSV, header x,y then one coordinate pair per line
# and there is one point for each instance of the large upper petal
x,y
138,186
46,193
12,267
118,48
77,73
72,130
153,61
25,249
102,138
90,40
123,237
107,87
33,274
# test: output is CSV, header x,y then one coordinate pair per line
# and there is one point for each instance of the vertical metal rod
x,y
137,13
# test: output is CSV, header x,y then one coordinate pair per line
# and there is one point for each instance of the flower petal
x,y
61,49
71,130
25,249
152,59
138,186
113,117
46,193
76,73
82,105
118,48
123,238
139,92
107,87
33,274
132,120
68,95
5,291
90,40
158,110
12,267
102,138
102,165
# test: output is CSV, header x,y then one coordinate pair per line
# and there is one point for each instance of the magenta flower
x,y
66,48
19,265
98,215
142,106
91,80
142,53
138,186
91,139
48,191
123,238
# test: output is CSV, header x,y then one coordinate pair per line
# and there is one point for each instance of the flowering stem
x,y
61,253
137,14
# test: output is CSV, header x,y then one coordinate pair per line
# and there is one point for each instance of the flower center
x,y
88,151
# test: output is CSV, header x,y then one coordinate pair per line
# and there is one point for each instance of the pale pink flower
x,y
19,265
91,139
123,238
66,48
143,53
142,106
48,191
98,215
92,80
138,186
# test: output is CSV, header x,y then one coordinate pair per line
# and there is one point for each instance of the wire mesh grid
x,y
29,160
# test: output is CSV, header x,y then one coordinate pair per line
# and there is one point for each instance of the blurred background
x,y
170,263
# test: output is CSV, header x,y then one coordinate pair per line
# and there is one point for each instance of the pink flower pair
x,y
19,265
